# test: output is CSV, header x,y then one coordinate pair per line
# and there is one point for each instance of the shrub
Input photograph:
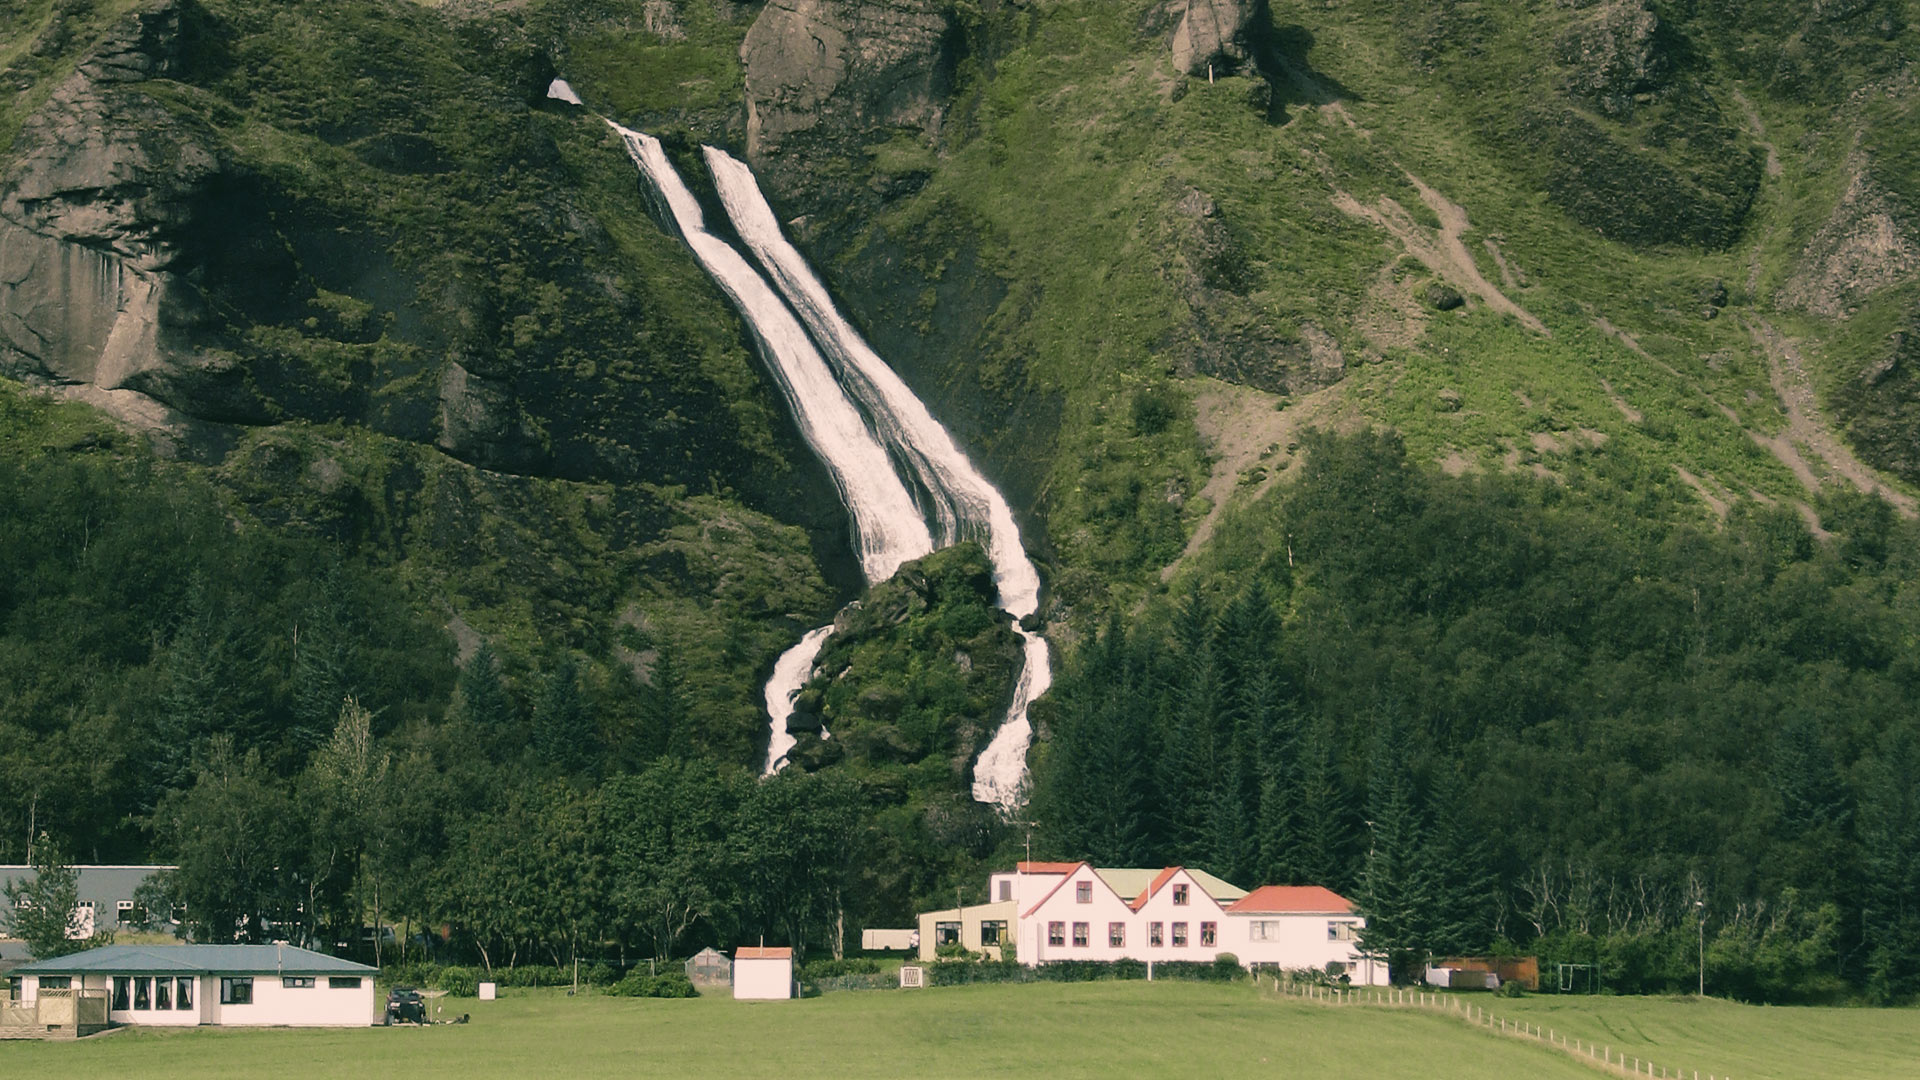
x,y
833,969
1198,970
669,984
410,974
535,975
457,981
602,974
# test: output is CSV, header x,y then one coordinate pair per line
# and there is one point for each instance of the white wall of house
x,y
1024,889
274,1003
1303,940
763,980
1198,912
1097,907
277,1004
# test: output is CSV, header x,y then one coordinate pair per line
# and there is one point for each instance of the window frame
x,y
1338,930
1083,892
1156,935
1057,934
296,982
143,993
236,990
56,982
949,932
1182,895
163,993
1082,935
1209,935
122,1000
1116,935
1179,935
183,991
998,928
1263,930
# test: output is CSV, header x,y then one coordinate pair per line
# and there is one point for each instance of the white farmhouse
x,y
1301,926
1075,911
762,973
224,985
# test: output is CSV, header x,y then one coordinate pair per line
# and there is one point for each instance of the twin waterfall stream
x,y
908,488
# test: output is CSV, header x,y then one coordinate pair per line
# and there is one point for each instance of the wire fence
x,y
1598,1055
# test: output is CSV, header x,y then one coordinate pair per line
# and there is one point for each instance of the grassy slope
x,y
1067,164
1087,1030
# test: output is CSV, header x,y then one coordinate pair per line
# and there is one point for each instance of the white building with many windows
x,y
226,985
1076,911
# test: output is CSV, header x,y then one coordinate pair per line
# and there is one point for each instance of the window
x,y
1082,934
143,993
122,1001
56,982
237,991
1209,935
163,993
1117,935
1179,935
297,982
1156,934
1056,933
13,988
946,933
1263,930
1180,896
1083,892
1006,890
1341,931
991,932
183,992
123,905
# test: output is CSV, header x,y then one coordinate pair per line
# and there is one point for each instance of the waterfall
x,y
963,503
887,524
950,500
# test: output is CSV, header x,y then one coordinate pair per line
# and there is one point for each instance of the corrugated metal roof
x,y
196,960
1132,881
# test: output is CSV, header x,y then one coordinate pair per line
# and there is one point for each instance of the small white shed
x,y
762,973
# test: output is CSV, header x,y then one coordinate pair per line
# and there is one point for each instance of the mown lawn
x,y
1744,1041
1086,1030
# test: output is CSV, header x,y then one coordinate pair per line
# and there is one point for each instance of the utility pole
x,y
1700,919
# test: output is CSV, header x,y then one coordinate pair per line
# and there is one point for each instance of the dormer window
x,y
1180,896
1083,892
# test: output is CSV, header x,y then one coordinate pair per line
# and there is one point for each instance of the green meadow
x,y
1059,1031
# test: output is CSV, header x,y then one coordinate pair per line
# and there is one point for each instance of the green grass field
x,y
1083,1030
1747,1042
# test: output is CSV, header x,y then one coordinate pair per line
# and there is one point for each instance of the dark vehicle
x,y
404,1006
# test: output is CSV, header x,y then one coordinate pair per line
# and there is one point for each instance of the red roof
x,y
763,952
1047,867
1292,900
1159,880
1062,883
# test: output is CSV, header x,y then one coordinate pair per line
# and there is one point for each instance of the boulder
x,y
1215,35
1612,55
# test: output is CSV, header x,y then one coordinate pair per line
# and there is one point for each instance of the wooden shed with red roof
x,y
762,973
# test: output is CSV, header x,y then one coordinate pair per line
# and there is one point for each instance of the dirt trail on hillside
x,y
1806,427
1243,430
1443,252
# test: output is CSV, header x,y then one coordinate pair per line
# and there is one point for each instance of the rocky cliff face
x,y
91,220
827,78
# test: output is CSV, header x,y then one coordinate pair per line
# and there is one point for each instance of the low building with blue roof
x,y
192,985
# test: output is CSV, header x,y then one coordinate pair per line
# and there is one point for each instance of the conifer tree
x,y
1396,893
564,734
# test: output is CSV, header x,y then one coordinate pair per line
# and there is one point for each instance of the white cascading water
x,y
886,521
888,524
962,502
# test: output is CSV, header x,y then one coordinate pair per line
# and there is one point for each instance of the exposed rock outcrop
x,y
107,182
827,78
1859,251
1612,54
1215,35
